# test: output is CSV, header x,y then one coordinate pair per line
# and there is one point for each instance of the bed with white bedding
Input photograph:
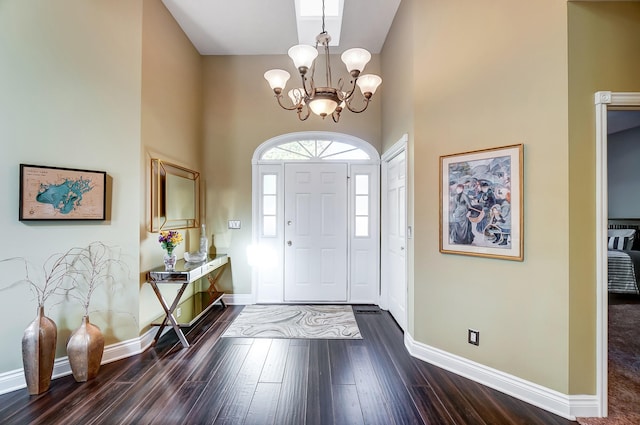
x,y
623,262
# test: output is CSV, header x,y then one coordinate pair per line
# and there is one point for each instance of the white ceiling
x,y
268,27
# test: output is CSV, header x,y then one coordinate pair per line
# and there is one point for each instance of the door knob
x,y
289,243
401,248
289,223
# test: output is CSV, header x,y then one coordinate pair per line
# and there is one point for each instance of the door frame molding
x,y
397,148
315,135
603,101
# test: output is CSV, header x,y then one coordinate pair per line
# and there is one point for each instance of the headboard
x,y
636,240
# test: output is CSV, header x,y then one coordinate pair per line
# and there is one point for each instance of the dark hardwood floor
x,y
273,381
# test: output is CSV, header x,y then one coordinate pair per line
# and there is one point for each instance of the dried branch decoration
x,y
55,270
91,268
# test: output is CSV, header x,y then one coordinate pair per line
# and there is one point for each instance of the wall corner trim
x,y
567,406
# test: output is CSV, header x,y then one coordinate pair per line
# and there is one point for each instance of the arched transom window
x,y
302,150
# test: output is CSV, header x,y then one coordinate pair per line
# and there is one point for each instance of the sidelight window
x,y
269,205
362,205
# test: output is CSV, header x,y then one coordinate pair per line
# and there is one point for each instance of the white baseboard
x,y
14,380
567,406
11,381
584,406
238,299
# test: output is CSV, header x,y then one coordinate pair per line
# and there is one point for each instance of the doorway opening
x,y
316,224
605,102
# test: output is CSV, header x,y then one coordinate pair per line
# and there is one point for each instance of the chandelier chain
x,y
324,100
326,50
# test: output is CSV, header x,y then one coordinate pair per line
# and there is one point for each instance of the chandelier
x,y
324,100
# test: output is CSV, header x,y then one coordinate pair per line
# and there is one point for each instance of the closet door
x,y
396,238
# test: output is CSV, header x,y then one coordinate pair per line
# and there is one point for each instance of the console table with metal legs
x,y
199,303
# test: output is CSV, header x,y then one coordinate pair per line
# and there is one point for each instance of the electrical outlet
x,y
474,337
234,224
178,311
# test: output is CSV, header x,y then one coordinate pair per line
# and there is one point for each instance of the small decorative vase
x,y
39,352
170,261
85,349
212,248
204,242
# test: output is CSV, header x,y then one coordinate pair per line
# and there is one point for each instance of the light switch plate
x,y
234,224
474,337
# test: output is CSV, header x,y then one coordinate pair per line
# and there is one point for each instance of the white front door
x,y
315,226
395,248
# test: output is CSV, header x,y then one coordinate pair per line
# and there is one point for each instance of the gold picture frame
x,y
481,203
175,197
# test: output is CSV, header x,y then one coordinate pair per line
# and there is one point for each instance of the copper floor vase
x,y
39,352
85,349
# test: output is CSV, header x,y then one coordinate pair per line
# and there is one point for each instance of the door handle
x,y
289,243
401,248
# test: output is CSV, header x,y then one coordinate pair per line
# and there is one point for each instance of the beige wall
x,y
102,85
240,113
604,54
398,106
107,85
398,73
70,84
171,126
487,77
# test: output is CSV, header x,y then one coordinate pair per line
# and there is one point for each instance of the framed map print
x,y
52,193
481,203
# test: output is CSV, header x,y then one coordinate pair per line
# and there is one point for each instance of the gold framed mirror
x,y
175,196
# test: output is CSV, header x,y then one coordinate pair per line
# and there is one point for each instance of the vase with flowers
x,y
169,239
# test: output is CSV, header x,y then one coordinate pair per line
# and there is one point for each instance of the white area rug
x,y
295,321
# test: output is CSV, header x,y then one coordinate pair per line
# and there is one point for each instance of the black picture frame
x,y
61,194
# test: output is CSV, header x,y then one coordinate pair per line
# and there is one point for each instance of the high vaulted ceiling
x,y
268,27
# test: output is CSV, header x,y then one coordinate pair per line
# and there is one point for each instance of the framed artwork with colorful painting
x,y
52,193
481,203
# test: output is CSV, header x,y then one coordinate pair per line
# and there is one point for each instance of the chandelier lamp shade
x,y
324,100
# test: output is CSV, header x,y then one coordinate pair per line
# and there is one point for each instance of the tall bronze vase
x,y
85,349
39,352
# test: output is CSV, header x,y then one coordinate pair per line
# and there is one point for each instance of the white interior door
x,y
396,237
315,251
